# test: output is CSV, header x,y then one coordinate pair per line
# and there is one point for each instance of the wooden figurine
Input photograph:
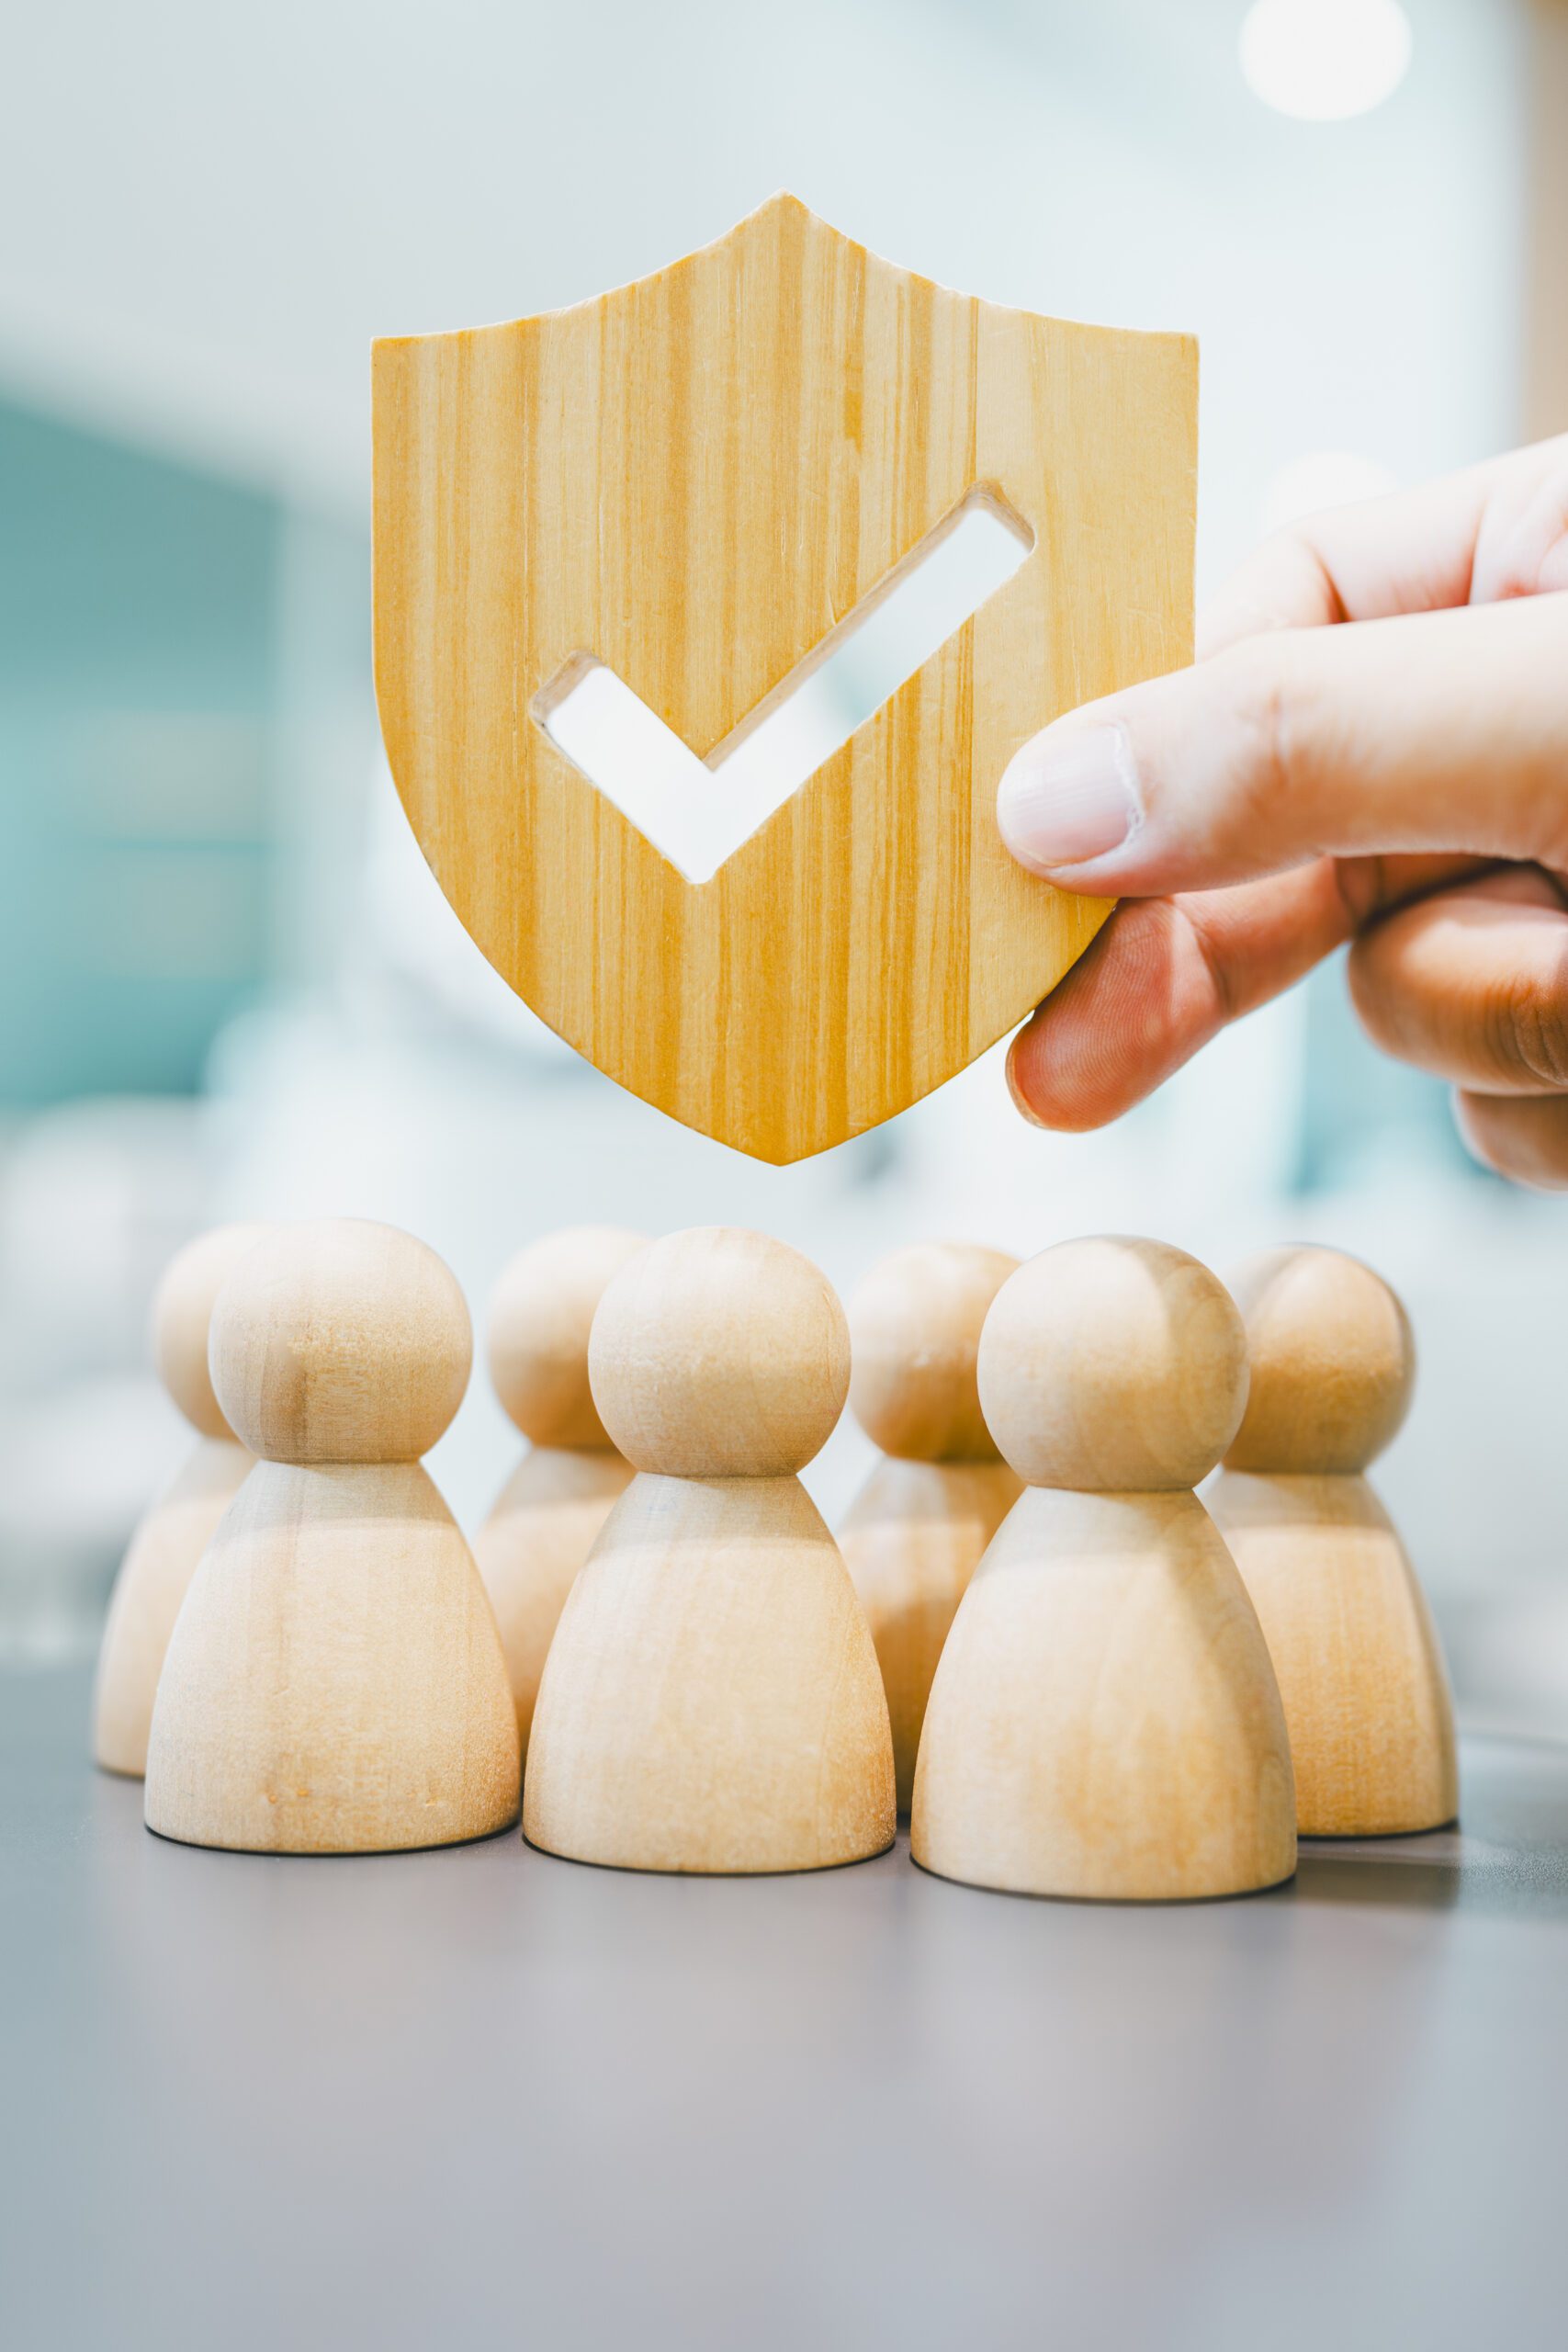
x,y
174,1532
546,1516
711,1700
1359,1664
916,1531
1104,1721
335,1683
704,482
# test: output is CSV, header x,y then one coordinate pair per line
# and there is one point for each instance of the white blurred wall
x,y
212,211
219,208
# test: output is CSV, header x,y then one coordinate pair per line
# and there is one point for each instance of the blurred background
x,y
229,985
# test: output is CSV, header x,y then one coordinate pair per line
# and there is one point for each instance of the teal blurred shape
x,y
138,685
1362,1114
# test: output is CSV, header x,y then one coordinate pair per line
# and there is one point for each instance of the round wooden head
x,y
915,1324
339,1340
1333,1362
539,1320
1114,1366
182,1317
719,1353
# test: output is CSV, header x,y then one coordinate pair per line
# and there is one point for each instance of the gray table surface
x,y
479,2097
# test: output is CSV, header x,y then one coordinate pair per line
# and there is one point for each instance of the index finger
x,y
1166,975
1413,551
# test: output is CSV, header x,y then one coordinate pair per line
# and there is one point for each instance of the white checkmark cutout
x,y
698,812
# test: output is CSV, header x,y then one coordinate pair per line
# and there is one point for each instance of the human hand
x,y
1371,746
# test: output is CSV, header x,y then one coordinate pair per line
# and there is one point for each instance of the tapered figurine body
x,y
161,1557
1104,1721
548,1514
1360,1667
916,1531
335,1683
711,1700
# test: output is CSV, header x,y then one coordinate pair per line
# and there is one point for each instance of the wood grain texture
x,y
335,1683
155,1575
915,1533
540,1317
182,1320
544,1522
915,1324
1360,1665
1360,1668
711,1700
546,1517
161,1555
340,1340
1104,1721
911,1541
695,478
719,1352
1331,1362
1110,1365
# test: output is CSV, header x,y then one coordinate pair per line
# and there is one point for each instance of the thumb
x,y
1443,730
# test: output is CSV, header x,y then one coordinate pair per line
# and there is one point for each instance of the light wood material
x,y
182,1320
915,1533
711,1700
341,1341
335,1682
695,478
1360,1665
543,1524
155,1575
915,1324
911,1541
540,1319
1331,1358
1112,1364
161,1557
1104,1721
548,1513
719,1353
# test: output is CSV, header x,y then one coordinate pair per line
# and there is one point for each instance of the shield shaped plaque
x,y
696,479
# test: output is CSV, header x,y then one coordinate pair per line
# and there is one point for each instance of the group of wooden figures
x,y
1029,1633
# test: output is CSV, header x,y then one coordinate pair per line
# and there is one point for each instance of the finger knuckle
x,y
1266,697
1525,1026
1525,563
1378,1010
1476,1131
1364,886
1524,1142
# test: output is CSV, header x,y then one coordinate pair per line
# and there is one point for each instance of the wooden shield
x,y
695,480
